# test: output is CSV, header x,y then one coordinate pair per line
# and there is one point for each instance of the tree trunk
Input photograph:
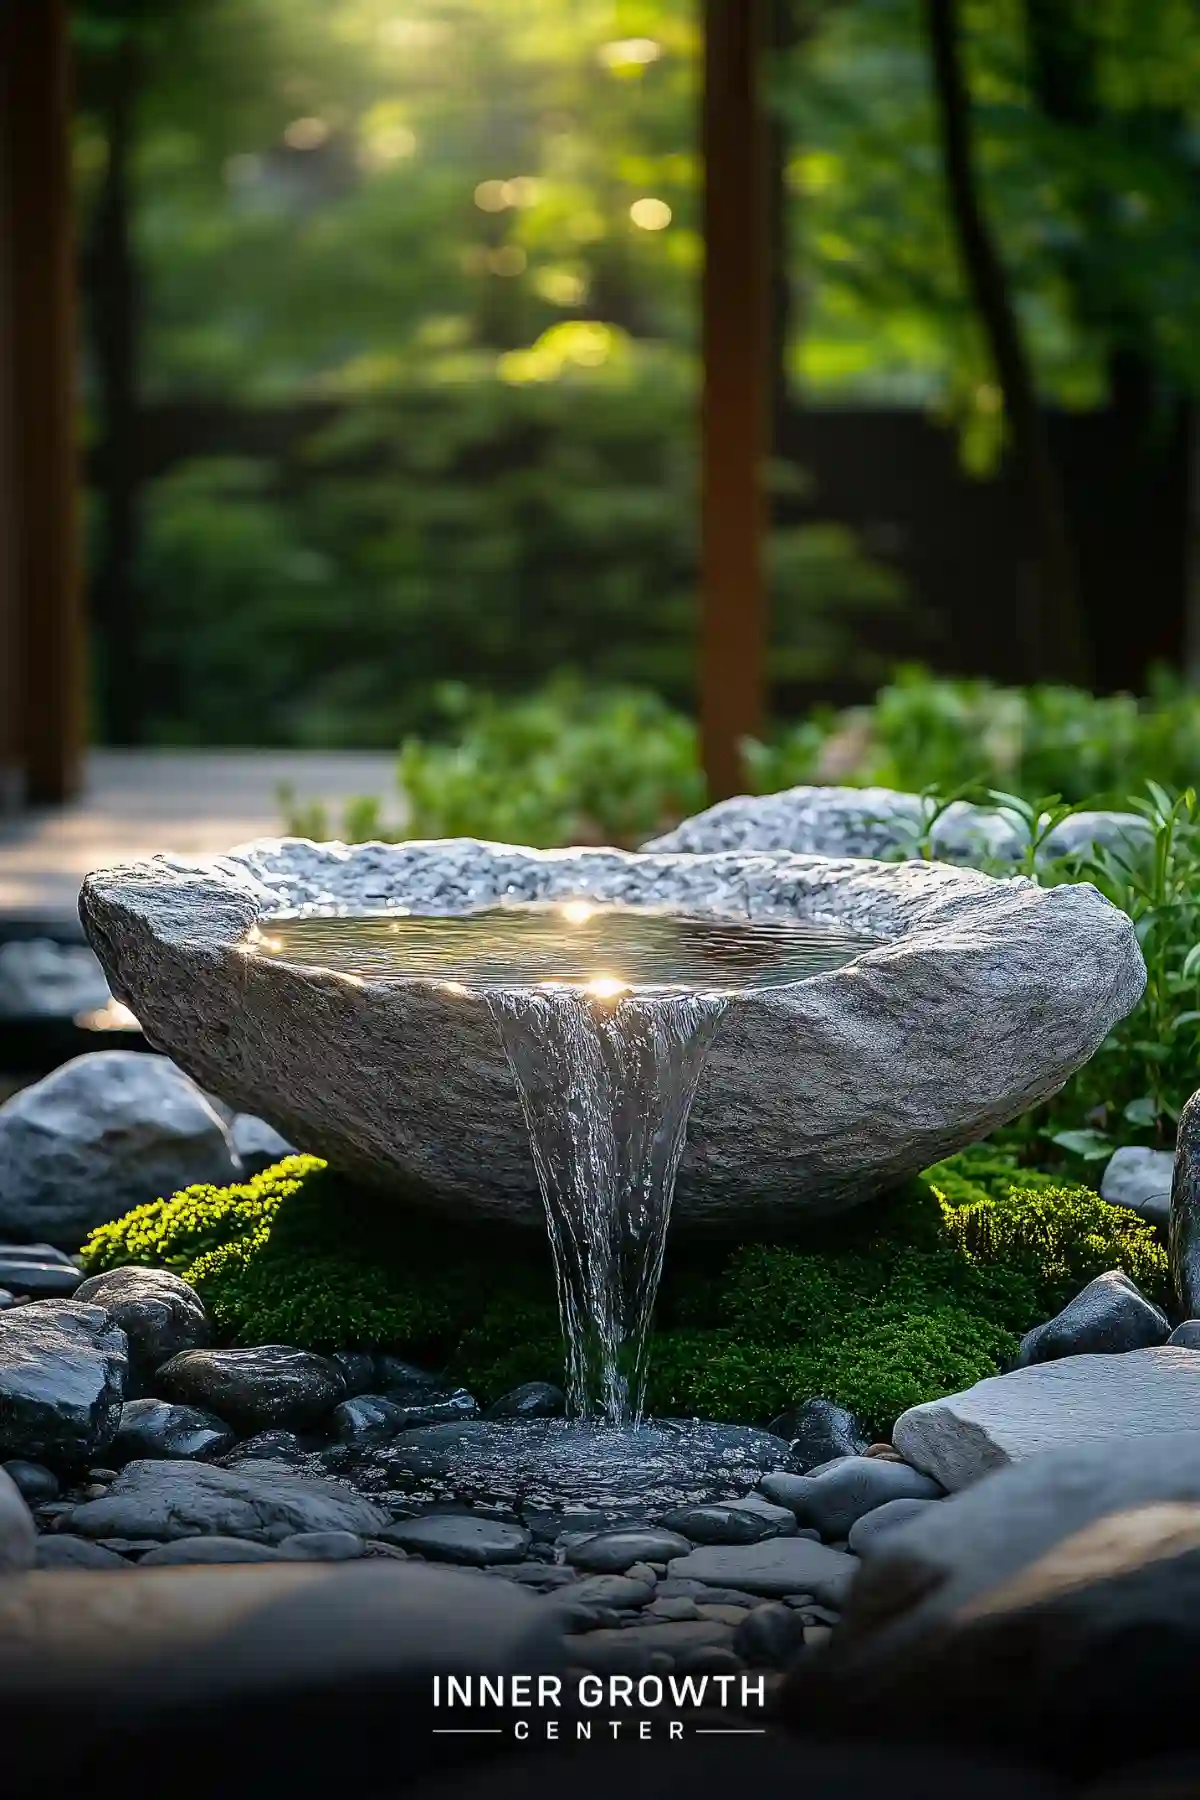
x,y
113,284
1065,635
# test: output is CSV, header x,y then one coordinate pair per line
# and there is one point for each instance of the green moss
x,y
887,1306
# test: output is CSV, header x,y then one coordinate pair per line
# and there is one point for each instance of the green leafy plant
x,y
879,1308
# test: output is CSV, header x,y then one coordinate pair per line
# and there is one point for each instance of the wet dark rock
x,y
1108,1316
270,1386
60,1551
612,1552
1185,1211
450,1537
38,1270
34,1481
442,1409
1187,1335
262,1501
721,1525
405,1383
62,1381
779,1567
159,1428
269,1446
323,1546
865,1532
366,1420
358,1370
160,1314
532,1400
208,1550
818,1431
769,1636
611,1590
832,1502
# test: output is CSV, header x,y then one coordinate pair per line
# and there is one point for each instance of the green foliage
x,y
500,532
1138,1081
921,732
879,1309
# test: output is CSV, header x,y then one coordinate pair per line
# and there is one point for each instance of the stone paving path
x,y
191,801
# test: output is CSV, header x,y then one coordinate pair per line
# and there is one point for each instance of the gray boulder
x,y
271,1386
60,1551
263,1501
209,1550
1185,1211
782,1565
1186,1335
866,1531
41,979
257,1144
845,1492
1040,1610
104,1133
1031,979
882,822
18,1535
160,1314
1072,1403
1108,1316
62,1381
450,1537
1140,1180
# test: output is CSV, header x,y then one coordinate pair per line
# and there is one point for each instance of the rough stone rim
x,y
957,947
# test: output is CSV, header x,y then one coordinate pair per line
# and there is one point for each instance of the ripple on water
x,y
555,1464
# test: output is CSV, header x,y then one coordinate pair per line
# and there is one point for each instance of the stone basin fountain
x,y
599,1041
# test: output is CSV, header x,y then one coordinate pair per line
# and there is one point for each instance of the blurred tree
x,y
988,282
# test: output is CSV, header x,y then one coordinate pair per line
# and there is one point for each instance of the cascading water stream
x,y
606,1085
606,1014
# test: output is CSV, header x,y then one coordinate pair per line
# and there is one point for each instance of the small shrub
x,y
895,1303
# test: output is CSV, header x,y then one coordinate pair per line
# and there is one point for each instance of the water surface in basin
x,y
604,949
606,1014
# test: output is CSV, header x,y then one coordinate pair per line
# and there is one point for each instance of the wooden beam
x,y
735,336
38,394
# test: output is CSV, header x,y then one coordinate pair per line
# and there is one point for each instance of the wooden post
x,y
37,397
733,631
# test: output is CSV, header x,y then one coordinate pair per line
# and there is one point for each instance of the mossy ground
x,y
906,1299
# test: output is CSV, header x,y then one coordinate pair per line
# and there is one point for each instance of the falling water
x,y
606,1014
606,1086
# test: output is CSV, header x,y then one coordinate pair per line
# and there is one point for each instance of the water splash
x,y
606,1086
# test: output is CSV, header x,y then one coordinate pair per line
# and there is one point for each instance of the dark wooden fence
x,y
895,478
